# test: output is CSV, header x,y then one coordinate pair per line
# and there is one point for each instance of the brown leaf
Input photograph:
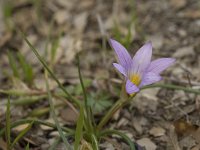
x,y
3,144
157,131
178,3
184,128
68,115
147,143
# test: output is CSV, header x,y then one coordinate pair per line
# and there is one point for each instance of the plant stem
x,y
53,114
119,104
39,93
71,98
174,87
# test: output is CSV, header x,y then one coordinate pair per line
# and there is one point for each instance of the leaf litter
x,y
158,118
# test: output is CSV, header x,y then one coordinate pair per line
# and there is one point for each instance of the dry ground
x,y
158,118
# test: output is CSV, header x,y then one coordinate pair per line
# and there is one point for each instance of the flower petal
x,y
131,88
120,69
122,54
158,65
142,59
150,78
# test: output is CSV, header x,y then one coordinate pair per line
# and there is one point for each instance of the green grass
x,y
8,126
21,69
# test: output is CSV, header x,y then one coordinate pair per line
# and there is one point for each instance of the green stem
x,y
95,144
119,104
37,93
8,128
53,114
73,99
16,92
175,87
87,118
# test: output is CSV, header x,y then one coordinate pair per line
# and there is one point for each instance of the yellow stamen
x,y
136,79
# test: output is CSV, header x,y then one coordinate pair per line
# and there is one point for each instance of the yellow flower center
x,y
136,79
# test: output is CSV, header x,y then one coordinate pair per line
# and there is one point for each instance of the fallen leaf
x,y
62,17
157,131
191,14
184,128
178,3
70,46
137,126
68,115
21,127
187,142
147,143
184,51
173,140
3,144
80,21
122,122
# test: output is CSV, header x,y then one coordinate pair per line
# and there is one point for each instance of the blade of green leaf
x,y
79,129
122,135
27,147
8,128
53,114
49,70
54,48
13,65
38,112
82,84
95,144
86,105
27,69
28,100
7,10
22,134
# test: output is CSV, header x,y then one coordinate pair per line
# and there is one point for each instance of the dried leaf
x,y
157,131
147,143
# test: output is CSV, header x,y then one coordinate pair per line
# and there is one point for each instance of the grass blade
x,y
8,124
79,129
55,45
82,84
27,147
27,69
49,71
13,65
67,145
88,116
95,144
21,134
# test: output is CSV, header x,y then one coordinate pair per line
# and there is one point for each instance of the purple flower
x,y
139,70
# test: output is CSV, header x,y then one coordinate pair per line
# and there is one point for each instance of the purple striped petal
x,y
150,78
120,69
124,57
131,88
158,65
142,59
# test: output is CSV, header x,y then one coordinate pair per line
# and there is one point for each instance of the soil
x,y
156,119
